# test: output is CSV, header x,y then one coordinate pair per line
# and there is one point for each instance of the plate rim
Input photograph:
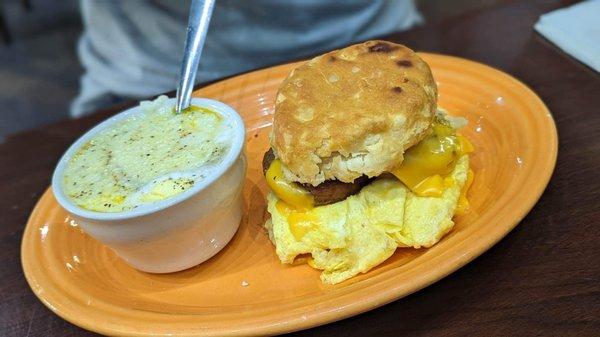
x,y
354,307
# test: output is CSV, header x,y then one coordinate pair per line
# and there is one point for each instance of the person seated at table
x,y
133,49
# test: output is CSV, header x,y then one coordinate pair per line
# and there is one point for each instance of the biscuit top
x,y
352,112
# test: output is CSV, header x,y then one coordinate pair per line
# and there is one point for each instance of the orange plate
x,y
244,289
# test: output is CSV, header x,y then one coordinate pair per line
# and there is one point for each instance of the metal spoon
x,y
200,14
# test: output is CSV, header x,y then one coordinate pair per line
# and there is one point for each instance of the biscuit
x,y
352,112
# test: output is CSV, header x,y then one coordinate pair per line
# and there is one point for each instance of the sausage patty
x,y
329,191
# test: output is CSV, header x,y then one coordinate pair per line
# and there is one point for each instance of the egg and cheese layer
x,y
354,235
423,169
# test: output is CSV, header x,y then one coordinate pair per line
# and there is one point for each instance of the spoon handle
x,y
200,14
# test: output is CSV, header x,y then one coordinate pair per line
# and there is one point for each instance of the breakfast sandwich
x,y
362,161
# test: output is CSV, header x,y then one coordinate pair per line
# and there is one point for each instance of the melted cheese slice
x,y
291,193
426,164
463,203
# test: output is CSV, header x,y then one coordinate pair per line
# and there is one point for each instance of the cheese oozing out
x,y
426,163
463,203
290,192
300,222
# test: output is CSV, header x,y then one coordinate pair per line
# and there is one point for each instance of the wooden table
x,y
542,279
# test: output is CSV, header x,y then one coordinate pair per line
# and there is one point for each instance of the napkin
x,y
575,30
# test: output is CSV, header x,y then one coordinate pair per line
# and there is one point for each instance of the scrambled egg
x,y
354,235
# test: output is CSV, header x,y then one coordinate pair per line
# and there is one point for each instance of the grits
x,y
146,158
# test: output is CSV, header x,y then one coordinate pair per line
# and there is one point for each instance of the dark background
x,y
39,68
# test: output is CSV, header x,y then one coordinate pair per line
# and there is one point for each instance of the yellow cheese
x,y
290,192
463,203
426,163
300,222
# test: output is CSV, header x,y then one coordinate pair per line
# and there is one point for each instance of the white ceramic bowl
x,y
175,233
